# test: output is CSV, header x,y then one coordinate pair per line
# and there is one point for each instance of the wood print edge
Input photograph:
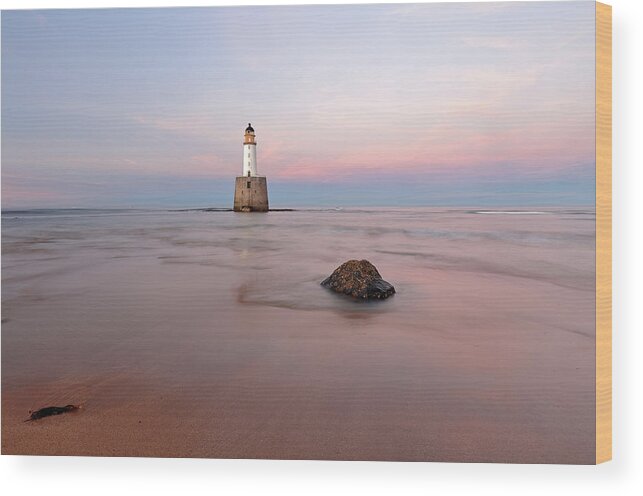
x,y
603,232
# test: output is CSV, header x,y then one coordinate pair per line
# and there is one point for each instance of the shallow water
x,y
191,333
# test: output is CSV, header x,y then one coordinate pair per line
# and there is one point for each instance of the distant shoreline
x,y
217,209
512,211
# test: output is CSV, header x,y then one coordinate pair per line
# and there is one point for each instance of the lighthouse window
x,y
248,184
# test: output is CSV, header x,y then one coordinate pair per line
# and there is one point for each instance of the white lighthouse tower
x,y
251,189
249,152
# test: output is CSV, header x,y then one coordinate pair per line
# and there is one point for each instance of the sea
x,y
206,333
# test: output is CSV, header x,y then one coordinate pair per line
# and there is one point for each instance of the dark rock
x,y
359,279
51,410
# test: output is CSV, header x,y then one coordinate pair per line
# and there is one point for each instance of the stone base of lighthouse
x,y
251,194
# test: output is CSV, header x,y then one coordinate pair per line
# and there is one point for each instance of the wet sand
x,y
206,334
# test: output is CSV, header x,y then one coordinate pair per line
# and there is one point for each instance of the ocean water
x,y
196,333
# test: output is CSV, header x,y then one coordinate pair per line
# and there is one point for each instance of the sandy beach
x,y
206,334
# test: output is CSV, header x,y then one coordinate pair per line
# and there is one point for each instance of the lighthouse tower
x,y
251,190
249,152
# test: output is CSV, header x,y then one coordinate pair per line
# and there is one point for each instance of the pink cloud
x,y
19,195
531,151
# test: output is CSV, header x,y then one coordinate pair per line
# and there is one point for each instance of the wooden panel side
x,y
603,232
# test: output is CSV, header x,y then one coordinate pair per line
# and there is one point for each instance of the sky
x,y
374,105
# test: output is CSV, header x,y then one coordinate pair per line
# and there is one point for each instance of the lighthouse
x,y
249,152
251,190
